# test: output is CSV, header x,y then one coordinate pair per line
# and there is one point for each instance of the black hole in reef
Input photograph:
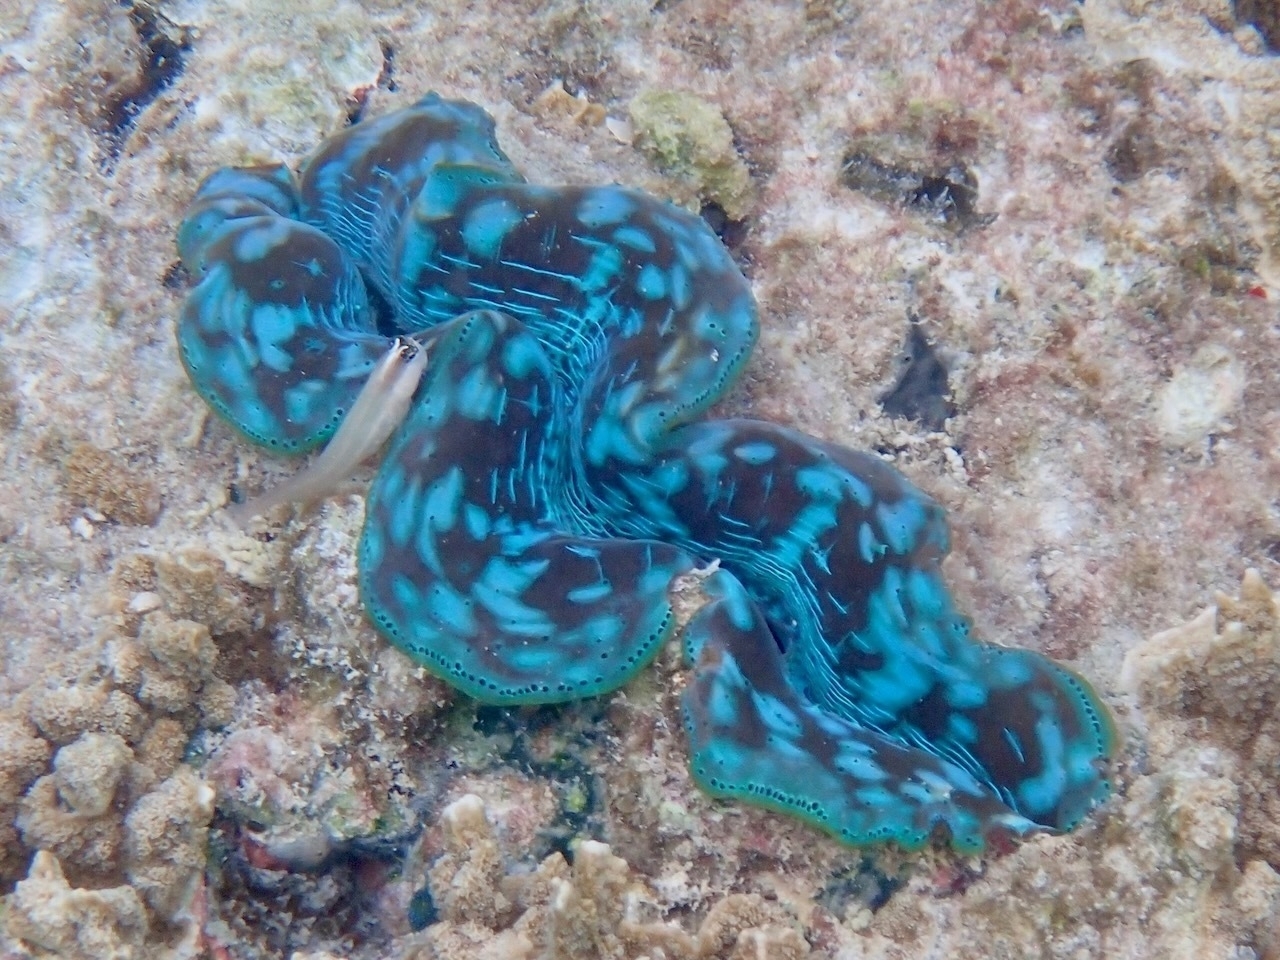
x,y
922,392
290,904
1264,16
176,277
1272,550
947,195
731,232
356,105
558,744
165,45
386,79
864,884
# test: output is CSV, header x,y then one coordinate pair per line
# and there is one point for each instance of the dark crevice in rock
x,y
732,233
863,884
922,391
1264,16
176,277
948,195
563,762
386,77
1134,152
281,906
164,47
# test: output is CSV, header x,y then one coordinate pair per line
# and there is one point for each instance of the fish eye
x,y
404,348
408,347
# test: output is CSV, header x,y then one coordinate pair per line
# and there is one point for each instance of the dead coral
x,y
165,835
231,592
770,943
50,914
104,481
65,711
171,669
556,101
88,771
399,688
593,910
584,915
465,882
72,811
23,757
10,406
1200,398
1215,683
743,920
1127,33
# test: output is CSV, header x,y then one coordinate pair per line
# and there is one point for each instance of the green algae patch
x,y
689,139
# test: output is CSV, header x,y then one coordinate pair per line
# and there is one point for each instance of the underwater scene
x,y
664,480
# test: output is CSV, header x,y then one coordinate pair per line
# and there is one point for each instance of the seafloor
x,y
206,751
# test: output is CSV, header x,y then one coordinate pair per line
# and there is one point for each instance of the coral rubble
x,y
48,913
592,910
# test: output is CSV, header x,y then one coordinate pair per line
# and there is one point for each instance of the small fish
x,y
382,404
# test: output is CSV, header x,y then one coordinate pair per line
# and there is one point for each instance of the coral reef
x,y
466,880
63,711
170,668
1210,690
303,808
68,811
164,842
87,772
157,844
116,820
229,591
1200,397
